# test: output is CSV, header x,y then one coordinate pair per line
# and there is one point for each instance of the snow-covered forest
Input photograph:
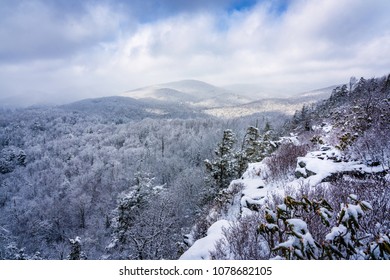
x,y
322,194
115,178
126,182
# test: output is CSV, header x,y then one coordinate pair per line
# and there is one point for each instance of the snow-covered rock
x,y
201,249
320,166
249,194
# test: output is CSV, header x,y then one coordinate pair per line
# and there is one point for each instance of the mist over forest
x,y
163,178
194,130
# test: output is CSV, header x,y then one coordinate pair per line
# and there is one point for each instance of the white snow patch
x,y
318,165
298,225
293,139
254,188
352,211
201,249
257,170
335,232
327,128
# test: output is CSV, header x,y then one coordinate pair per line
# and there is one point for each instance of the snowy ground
x,y
254,191
314,168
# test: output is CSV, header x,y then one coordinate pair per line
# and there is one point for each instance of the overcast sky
x,y
70,49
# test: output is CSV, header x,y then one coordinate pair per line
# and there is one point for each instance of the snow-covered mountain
x,y
322,194
255,189
319,94
189,92
227,103
98,177
285,105
189,98
126,108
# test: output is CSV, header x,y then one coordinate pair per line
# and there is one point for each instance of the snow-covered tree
x,y
255,147
288,234
289,237
250,150
344,241
75,251
224,167
130,206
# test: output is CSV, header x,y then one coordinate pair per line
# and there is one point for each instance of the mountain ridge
x,y
221,102
191,92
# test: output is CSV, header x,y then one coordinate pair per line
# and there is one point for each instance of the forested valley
x,y
122,182
98,179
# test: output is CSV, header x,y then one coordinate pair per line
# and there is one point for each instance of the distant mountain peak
x,y
191,92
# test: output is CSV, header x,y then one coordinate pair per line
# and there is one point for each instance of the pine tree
x,y
224,168
250,150
76,253
267,126
252,144
130,205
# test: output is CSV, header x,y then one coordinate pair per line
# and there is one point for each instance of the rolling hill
x,y
190,92
221,102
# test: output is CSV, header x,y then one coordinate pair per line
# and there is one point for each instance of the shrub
x,y
283,162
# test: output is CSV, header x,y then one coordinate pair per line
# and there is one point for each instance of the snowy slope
x,y
190,92
125,108
200,249
286,105
322,93
254,189
320,166
252,192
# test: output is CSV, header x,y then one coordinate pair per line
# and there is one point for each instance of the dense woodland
x,y
322,195
77,182
77,170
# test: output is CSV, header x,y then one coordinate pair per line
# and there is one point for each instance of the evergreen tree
x,y
250,150
252,144
267,126
130,205
224,168
76,253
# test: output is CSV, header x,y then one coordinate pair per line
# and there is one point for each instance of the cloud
x,y
33,30
108,47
